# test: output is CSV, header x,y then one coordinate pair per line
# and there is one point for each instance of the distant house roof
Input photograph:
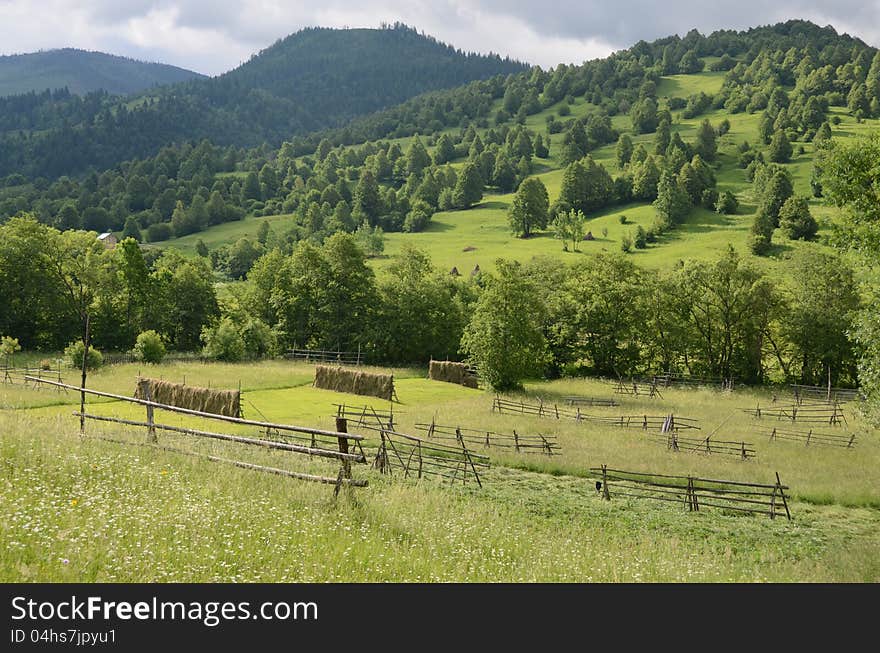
x,y
104,236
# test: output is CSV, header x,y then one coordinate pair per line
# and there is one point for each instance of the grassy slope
x,y
703,236
78,509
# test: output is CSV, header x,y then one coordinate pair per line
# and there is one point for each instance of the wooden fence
x,y
545,444
589,401
635,388
366,416
811,437
675,442
421,458
288,438
11,375
814,414
325,356
671,379
646,422
828,394
695,493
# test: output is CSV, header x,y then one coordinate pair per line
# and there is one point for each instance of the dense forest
x,y
314,79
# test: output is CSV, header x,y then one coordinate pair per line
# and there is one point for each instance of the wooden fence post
x,y
782,495
82,393
605,494
345,470
144,386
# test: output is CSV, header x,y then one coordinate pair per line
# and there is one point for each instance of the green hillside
x,y
314,79
83,72
478,236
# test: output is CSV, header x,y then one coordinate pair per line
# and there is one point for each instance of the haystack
x,y
451,372
205,400
340,379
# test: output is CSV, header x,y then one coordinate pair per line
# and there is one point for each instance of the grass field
x,y
83,509
485,227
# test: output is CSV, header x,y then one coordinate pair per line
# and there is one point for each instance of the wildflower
x,y
73,502
65,561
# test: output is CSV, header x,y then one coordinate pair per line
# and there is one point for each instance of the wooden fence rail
x,y
831,415
316,437
695,493
635,388
826,393
811,437
589,401
421,458
646,422
545,444
675,442
366,415
325,356
11,374
672,379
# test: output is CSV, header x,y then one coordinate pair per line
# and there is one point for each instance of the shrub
x,y
622,219
74,356
640,239
626,244
149,348
727,203
223,342
158,232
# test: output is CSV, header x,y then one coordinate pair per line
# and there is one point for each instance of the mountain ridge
x,y
84,71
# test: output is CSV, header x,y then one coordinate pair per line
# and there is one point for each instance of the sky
x,y
213,36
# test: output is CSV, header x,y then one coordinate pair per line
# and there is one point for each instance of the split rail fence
x,y
675,442
290,438
635,388
366,416
671,379
12,374
813,414
827,394
812,437
647,422
422,458
325,356
545,444
695,493
589,401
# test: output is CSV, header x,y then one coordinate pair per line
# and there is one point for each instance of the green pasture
x,y
84,509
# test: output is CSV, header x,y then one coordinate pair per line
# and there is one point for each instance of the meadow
x,y
83,509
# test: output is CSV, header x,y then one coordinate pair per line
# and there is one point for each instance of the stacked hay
x,y
340,379
452,373
206,400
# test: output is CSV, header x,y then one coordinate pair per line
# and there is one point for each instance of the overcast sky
x,y
213,36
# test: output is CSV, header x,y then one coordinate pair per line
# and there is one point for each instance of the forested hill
x,y
82,71
314,79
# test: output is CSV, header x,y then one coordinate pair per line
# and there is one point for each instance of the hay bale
x,y
205,400
451,372
341,379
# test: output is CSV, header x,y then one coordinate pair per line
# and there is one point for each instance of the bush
x,y
727,203
158,232
622,219
259,340
626,244
149,348
223,342
640,239
74,355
